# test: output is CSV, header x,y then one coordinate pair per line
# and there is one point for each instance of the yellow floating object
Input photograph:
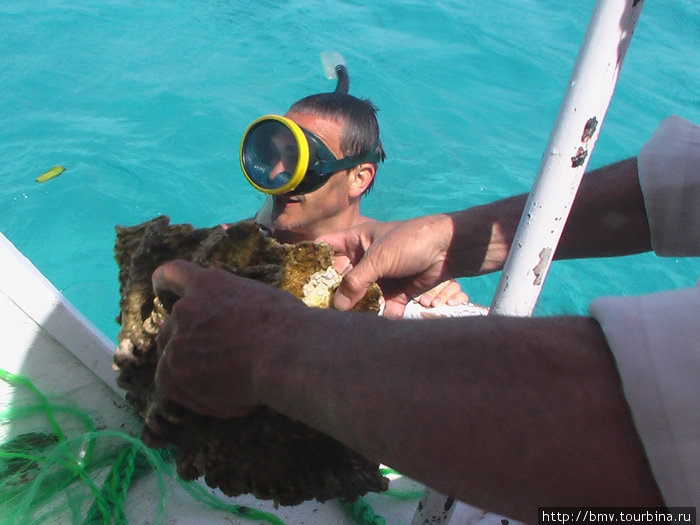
x,y
53,172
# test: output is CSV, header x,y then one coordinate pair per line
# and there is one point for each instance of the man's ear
x,y
361,177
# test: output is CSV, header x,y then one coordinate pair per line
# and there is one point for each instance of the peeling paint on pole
x,y
541,268
589,129
580,158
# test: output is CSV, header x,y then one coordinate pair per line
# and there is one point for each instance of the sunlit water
x,y
144,104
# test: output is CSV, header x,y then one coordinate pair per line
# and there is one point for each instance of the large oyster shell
x,y
266,454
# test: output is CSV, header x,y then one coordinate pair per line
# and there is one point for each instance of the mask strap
x,y
327,167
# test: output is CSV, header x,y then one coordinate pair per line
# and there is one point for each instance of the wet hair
x,y
358,117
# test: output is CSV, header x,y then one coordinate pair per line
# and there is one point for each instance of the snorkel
x,y
334,67
343,79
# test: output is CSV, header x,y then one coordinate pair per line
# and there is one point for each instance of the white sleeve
x,y
669,173
656,338
656,342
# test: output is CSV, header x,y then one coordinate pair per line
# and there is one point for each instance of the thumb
x,y
354,285
174,277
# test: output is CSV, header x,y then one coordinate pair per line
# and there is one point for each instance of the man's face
x,y
306,214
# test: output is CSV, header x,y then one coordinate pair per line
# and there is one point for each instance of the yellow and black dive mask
x,y
279,156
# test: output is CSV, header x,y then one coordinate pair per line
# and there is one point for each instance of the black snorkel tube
x,y
343,84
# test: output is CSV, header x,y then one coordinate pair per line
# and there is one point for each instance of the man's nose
x,y
279,174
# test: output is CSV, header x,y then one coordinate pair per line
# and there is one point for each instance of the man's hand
x,y
215,335
446,293
406,258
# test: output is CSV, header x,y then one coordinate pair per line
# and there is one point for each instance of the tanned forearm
x,y
420,396
607,218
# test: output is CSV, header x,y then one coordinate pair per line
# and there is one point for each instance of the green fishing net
x,y
58,466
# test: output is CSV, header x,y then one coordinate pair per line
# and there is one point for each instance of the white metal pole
x,y
566,156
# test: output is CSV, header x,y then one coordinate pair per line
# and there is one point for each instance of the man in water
x,y
348,128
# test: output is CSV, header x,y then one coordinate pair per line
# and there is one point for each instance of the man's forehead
x,y
326,128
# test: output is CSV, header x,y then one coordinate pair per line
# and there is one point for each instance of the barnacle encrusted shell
x,y
266,454
317,292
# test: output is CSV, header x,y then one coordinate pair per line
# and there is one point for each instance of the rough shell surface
x,y
266,454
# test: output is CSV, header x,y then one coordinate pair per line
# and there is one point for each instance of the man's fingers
x,y
394,308
355,241
174,277
344,243
448,292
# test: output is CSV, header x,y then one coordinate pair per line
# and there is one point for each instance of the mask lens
x,y
270,156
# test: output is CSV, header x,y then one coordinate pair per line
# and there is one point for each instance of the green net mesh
x,y
56,464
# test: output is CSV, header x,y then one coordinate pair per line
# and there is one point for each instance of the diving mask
x,y
279,156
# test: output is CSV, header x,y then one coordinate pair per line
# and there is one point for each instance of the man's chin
x,y
284,228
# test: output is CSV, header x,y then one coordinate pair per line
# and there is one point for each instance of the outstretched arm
x,y
607,218
510,414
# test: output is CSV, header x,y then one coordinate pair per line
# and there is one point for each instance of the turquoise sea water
x,y
144,104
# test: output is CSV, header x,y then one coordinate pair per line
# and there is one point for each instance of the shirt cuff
x,y
655,339
669,174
